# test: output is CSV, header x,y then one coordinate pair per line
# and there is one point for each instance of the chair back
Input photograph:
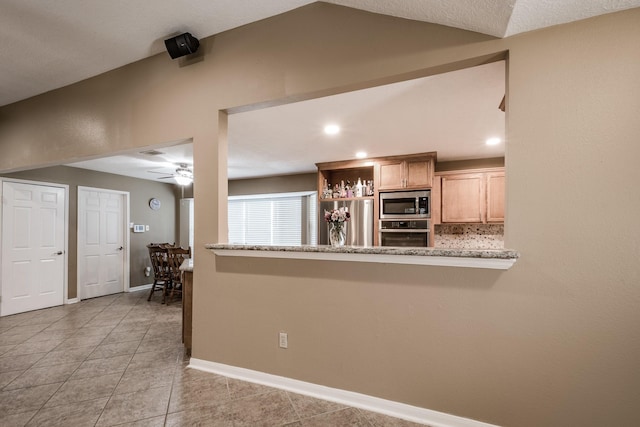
x,y
176,256
158,254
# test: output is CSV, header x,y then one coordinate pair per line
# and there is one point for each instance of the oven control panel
x,y
404,225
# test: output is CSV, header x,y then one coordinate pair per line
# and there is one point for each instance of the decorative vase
x,y
337,234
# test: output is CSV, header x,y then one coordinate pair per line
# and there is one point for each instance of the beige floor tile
x,y
16,420
220,415
8,338
7,377
81,341
44,375
115,337
28,347
81,390
184,373
268,409
6,347
126,408
54,335
344,417
306,406
379,420
67,324
148,422
239,389
25,329
85,331
99,367
143,360
193,393
22,363
131,327
74,414
115,349
142,379
26,399
59,357
160,344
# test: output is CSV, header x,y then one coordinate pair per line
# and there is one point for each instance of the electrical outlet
x,y
284,340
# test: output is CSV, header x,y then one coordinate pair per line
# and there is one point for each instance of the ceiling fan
x,y
183,174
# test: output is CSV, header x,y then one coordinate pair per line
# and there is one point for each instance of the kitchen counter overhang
x,y
473,258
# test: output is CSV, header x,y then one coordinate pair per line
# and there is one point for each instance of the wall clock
x,y
155,204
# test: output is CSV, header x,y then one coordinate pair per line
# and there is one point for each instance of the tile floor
x,y
118,360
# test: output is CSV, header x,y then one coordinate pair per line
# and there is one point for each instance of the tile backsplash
x,y
469,236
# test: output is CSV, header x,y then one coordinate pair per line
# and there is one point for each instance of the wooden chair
x,y
158,253
176,257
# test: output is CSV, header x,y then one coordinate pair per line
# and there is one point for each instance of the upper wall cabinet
x,y
495,196
405,172
472,197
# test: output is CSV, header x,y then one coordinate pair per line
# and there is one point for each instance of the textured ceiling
x,y
47,44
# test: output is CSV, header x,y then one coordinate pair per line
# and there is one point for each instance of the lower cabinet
x,y
476,197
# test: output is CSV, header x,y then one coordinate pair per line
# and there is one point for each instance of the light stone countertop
x,y
187,265
479,258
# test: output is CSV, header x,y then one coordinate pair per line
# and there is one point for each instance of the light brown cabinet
x,y
405,172
474,197
495,196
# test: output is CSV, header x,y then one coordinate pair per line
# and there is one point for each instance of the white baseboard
x,y
140,288
349,398
72,300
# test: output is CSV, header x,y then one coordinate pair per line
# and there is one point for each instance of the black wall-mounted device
x,y
181,45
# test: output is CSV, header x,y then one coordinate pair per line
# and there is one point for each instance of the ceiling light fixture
x,y
332,129
361,154
184,175
493,141
183,180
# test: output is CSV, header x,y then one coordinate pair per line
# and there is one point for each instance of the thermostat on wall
x,y
137,228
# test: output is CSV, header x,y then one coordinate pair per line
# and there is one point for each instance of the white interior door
x,y
33,247
101,242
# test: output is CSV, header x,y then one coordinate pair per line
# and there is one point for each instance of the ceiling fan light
x,y
183,180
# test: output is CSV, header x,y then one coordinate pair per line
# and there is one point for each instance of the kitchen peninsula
x,y
501,259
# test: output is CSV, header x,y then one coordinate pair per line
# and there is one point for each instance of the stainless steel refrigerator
x,y
359,227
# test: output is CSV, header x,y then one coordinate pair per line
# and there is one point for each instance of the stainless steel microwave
x,y
405,204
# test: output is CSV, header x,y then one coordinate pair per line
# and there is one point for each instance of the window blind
x,y
282,219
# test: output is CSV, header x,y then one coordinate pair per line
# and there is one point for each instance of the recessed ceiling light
x,y
361,154
332,129
493,141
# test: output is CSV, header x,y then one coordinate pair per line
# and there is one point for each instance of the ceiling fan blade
x,y
160,173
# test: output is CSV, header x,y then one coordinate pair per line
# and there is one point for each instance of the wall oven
x,y
413,234
405,205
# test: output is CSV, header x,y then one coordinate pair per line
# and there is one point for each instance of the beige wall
x,y
551,342
274,184
161,223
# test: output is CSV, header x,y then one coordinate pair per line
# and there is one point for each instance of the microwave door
x,y
399,206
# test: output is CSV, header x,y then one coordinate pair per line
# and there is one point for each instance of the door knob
x,y
59,253
120,248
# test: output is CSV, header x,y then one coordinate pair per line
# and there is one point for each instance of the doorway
x,y
103,242
34,246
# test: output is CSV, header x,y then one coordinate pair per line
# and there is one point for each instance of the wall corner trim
x,y
72,300
349,398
